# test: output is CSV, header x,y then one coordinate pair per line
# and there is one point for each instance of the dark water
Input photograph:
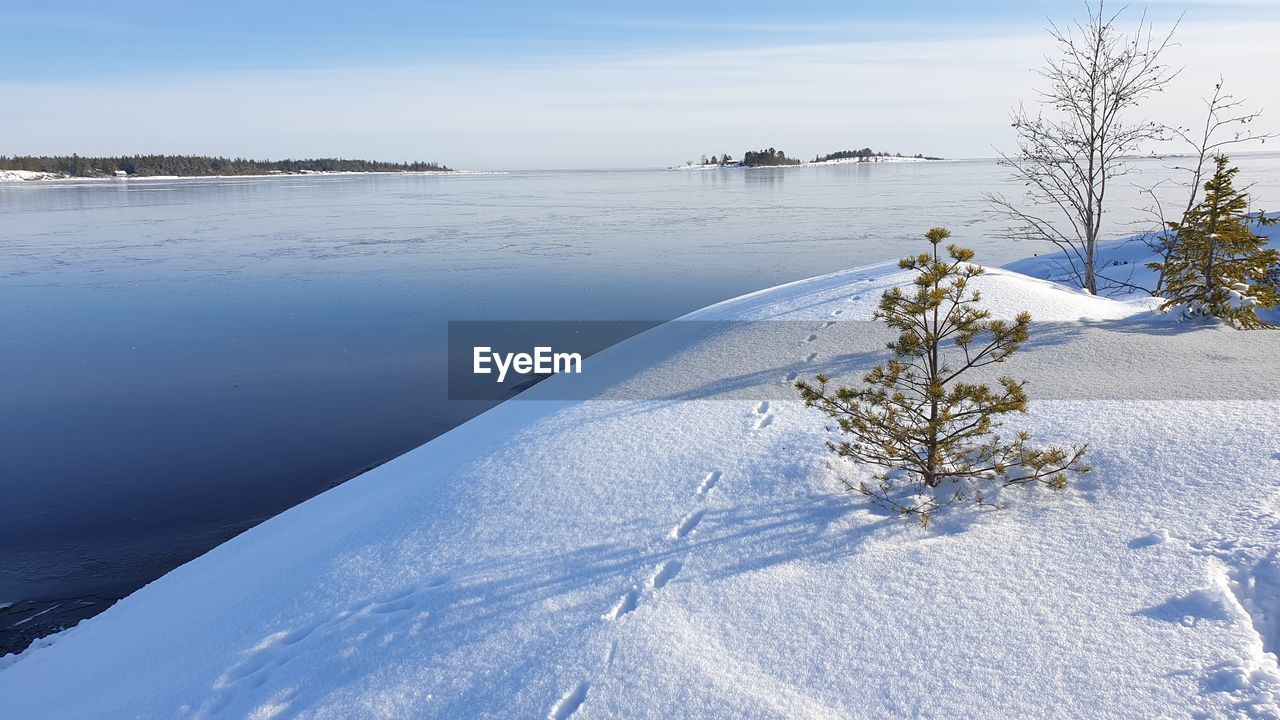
x,y
183,359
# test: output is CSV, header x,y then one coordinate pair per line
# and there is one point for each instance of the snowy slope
x,y
684,552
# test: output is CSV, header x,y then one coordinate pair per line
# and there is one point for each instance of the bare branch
x,y
1077,141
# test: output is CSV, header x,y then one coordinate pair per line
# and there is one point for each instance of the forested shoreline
x,y
198,165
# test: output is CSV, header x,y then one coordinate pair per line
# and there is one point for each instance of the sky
x,y
507,85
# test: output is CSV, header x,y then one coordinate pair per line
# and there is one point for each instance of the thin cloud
x,y
939,97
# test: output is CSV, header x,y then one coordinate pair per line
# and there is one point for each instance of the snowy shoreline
x,y
691,554
25,176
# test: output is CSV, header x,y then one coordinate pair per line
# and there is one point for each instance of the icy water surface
x,y
183,359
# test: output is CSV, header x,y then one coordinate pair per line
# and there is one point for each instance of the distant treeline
x,y
198,165
864,154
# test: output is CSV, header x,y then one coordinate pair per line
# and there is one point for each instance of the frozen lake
x,y
183,359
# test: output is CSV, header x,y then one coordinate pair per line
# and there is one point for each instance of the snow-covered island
x,y
680,546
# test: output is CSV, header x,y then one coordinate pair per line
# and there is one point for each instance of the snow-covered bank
x,y
686,556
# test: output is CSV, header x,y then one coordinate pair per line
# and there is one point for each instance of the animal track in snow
x,y
569,703
625,604
765,417
790,377
811,357
384,616
708,483
665,573
392,606
828,323
811,338
687,525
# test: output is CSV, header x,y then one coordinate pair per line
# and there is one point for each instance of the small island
x,y
56,166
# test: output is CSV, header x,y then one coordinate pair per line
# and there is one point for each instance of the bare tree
x,y
1226,123
1067,156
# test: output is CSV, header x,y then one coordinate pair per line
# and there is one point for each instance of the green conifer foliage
x,y
1218,267
931,435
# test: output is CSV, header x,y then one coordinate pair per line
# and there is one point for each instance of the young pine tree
x,y
1217,266
932,435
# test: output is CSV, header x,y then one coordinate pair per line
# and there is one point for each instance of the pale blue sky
x,y
560,84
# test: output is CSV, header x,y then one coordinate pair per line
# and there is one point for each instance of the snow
x,y
679,547
1123,266
24,175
